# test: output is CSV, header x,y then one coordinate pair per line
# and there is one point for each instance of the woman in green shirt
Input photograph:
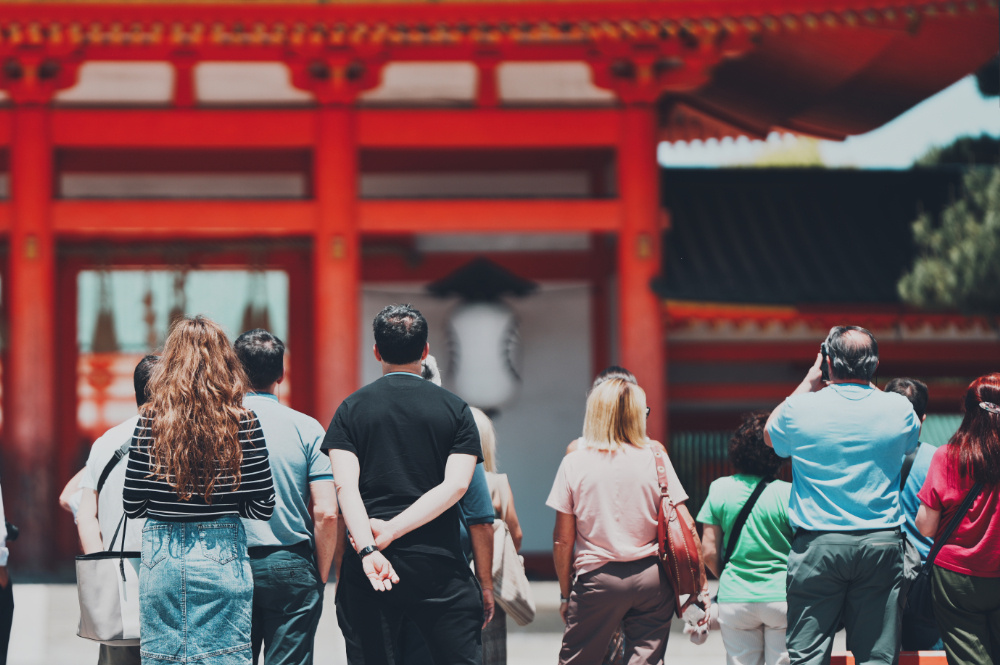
x,y
751,599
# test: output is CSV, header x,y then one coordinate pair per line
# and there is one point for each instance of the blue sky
x,y
955,111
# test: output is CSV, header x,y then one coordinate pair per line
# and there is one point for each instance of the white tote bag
x,y
108,585
510,584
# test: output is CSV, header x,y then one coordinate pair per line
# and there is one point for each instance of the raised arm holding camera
x,y
846,440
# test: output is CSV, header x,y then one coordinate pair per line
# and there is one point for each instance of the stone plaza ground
x,y
46,617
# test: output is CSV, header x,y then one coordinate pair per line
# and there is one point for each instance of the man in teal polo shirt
x,y
290,563
846,440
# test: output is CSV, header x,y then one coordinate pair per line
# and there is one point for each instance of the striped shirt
x,y
146,496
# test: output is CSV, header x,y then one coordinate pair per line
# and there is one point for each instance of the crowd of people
x,y
241,507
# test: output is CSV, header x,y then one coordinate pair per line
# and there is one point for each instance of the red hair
x,y
976,445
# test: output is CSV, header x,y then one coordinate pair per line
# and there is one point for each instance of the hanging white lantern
x,y
485,353
483,332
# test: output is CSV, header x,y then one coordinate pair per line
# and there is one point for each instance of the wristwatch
x,y
366,551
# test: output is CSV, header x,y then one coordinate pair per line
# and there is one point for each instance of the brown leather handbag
x,y
678,553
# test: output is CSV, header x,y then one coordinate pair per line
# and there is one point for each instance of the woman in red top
x,y
965,580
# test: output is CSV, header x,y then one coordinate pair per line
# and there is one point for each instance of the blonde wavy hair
x,y
616,417
487,439
196,404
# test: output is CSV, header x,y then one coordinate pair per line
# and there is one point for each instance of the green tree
x,y
958,266
964,151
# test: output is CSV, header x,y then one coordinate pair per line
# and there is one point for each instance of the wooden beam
x,y
174,128
176,219
493,128
173,161
376,128
718,394
488,215
541,266
985,353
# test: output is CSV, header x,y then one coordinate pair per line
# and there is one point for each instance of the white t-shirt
x,y
109,502
615,498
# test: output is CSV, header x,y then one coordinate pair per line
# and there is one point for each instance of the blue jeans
x,y
195,593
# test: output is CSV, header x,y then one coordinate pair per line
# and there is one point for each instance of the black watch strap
x,y
366,551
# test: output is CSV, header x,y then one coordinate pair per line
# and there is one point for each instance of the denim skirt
x,y
195,593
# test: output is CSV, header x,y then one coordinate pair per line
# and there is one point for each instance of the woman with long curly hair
x,y
965,580
752,607
197,464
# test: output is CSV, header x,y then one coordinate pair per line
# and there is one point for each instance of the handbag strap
x,y
112,463
114,538
661,471
504,495
953,524
741,520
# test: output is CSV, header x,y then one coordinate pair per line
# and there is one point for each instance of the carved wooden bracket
x,y
33,76
642,73
336,79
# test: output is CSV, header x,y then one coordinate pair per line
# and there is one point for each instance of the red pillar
x,y
642,345
336,262
30,415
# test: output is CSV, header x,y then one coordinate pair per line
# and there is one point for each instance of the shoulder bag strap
x,y
741,520
504,495
114,538
112,463
907,465
659,455
955,521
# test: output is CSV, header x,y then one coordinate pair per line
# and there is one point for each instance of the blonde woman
x,y
196,466
606,496
495,632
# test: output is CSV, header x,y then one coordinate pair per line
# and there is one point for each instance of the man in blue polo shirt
x,y
847,440
290,563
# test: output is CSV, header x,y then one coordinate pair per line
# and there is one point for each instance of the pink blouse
x,y
614,497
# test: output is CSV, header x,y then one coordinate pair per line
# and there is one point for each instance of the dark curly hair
x,y
747,450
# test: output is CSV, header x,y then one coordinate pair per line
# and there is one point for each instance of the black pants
x,y
6,618
438,594
287,603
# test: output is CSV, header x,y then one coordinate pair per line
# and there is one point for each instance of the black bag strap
x,y
907,466
741,520
112,463
114,538
953,524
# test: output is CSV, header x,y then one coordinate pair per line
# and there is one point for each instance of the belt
x,y
303,547
863,532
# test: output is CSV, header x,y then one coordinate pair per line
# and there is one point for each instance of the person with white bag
x,y
100,511
495,632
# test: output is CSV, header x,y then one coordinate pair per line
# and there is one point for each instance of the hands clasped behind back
x,y
379,571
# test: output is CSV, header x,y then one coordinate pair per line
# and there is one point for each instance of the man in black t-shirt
x,y
403,452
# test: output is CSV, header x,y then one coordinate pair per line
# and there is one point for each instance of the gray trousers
x,y
636,595
854,577
287,603
967,611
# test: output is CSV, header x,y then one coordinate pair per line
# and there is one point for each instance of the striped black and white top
x,y
146,496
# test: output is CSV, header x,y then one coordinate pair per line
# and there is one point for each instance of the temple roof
x,y
794,236
729,67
